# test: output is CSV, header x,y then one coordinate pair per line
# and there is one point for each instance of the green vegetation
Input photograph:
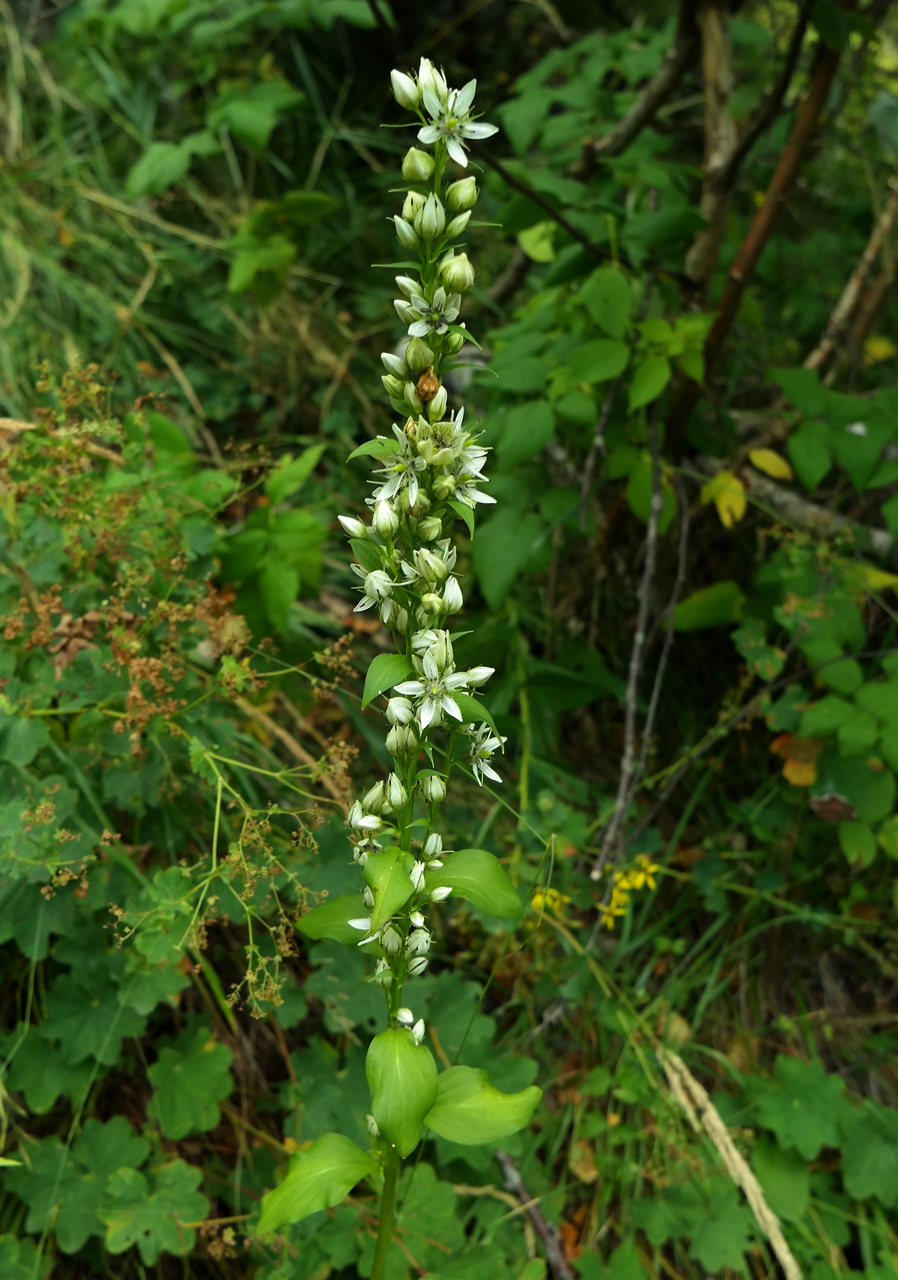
x,y
684,245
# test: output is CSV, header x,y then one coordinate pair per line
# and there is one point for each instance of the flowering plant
x,y
429,474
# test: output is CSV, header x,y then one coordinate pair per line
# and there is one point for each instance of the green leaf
x,y
712,606
211,488
464,513
887,837
473,711
802,386
810,454
470,1110
278,587
639,494
526,430
505,546
84,1015
823,718
479,878
538,241
723,1237
857,734
291,473
606,294
23,739
165,163
387,875
386,671
784,1177
880,698
190,1078
39,1070
318,1178
402,1077
378,448
154,1212
858,843
304,208
251,113
241,554
870,1152
650,377
762,658
802,1105
331,920
598,361
369,555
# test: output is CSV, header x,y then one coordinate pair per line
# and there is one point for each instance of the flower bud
x,y
444,487
385,521
405,1017
405,232
458,224
394,387
435,81
427,386
431,568
418,943
478,676
396,794
405,91
431,220
441,652
454,342
400,622
408,285
436,408
417,166
416,968
378,584
400,711
433,790
393,364
452,596
418,355
410,396
402,741
416,920
411,207
418,1028
433,846
383,974
431,604
457,274
462,195
390,940
430,528
374,799
371,1126
352,527
416,875
404,310
441,894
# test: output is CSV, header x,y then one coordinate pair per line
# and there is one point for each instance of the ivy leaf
x,y
402,1077
190,1078
318,1178
479,878
802,1105
727,492
470,1110
154,1212
386,670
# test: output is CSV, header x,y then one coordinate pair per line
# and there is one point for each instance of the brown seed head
x,y
428,385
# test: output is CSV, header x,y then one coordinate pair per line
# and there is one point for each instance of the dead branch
x,y
514,1184
871,302
680,57
852,293
803,131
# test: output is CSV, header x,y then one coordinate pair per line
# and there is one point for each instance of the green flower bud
x,y
394,387
437,406
431,220
457,225
412,205
405,232
405,91
454,343
408,285
418,355
394,365
402,740
417,166
457,274
385,521
431,603
462,195
430,528
444,487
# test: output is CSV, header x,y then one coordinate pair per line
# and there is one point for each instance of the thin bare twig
x,y
678,60
597,445
628,779
547,1232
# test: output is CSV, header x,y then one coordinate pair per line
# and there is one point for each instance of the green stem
x,y
387,1213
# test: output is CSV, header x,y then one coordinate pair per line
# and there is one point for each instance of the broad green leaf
x,y
251,113
212,488
387,875
801,1105
650,377
381,447
823,718
606,294
857,734
84,1015
165,163
858,843
880,698
712,606
402,1077
278,587
505,546
526,430
304,208
810,453
386,671
157,1213
784,1177
802,386
470,1110
291,473
764,659
870,1152
241,554
331,920
190,1078
318,1178
888,837
479,878
369,555
598,361
538,241
723,1236
22,740
473,711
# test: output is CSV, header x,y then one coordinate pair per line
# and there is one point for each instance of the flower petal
x,y
470,129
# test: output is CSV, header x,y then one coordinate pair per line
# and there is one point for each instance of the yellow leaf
x,y
801,773
877,579
727,492
878,348
771,463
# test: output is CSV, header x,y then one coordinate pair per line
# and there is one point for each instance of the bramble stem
x,y
387,1211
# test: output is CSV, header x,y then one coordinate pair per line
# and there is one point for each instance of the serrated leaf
x,y
387,875
318,1178
154,1213
190,1078
801,1105
771,463
402,1077
727,492
479,878
331,920
870,1152
386,671
470,1110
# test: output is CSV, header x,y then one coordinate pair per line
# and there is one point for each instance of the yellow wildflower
x,y
548,900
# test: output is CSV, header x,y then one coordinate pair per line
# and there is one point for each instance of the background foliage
x,y
687,589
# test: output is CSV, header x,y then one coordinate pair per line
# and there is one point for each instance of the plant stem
x,y
387,1206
